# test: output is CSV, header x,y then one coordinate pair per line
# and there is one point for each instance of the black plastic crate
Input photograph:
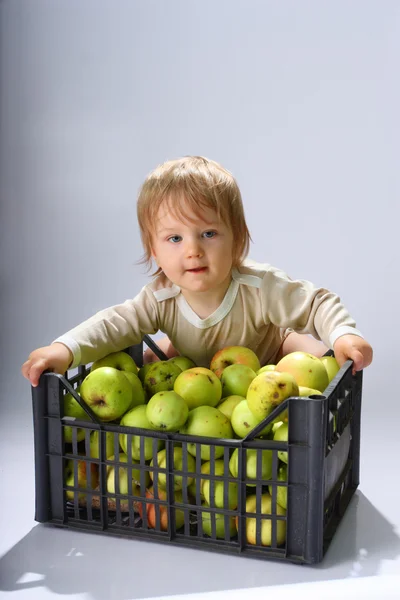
x,y
323,473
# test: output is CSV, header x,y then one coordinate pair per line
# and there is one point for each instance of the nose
x,y
194,249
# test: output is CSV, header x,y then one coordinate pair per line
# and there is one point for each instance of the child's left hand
x,y
355,348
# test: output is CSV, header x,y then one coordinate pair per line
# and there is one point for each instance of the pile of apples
x,y
225,401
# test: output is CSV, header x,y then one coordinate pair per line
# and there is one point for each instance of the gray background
x,y
300,101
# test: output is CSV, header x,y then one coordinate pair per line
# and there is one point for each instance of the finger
x,y
36,371
358,361
25,369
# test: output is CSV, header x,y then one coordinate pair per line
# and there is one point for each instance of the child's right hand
x,y
55,357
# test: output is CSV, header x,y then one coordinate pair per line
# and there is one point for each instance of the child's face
x,y
194,253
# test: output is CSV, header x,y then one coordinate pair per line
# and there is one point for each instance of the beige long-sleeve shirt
x,y
261,304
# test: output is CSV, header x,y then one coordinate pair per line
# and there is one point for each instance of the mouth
x,y
197,270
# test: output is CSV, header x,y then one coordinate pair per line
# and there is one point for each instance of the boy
x,y
205,295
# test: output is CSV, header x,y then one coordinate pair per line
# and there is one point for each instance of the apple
x,y
216,497
183,362
94,444
167,411
268,390
281,490
228,404
236,379
252,471
281,435
138,394
144,370
207,519
207,421
179,480
136,417
306,391
331,365
266,368
153,508
198,387
160,377
219,469
232,355
72,408
308,370
108,393
243,421
118,360
254,524
122,473
82,473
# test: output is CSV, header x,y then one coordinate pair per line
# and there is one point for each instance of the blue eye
x,y
209,234
175,239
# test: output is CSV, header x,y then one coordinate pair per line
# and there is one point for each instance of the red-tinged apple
x,y
307,369
198,387
152,508
107,392
232,355
167,411
118,360
84,480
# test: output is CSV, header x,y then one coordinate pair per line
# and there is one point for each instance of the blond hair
x,y
192,182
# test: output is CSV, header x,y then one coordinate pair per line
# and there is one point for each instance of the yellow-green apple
x,y
72,408
218,469
167,411
94,445
123,473
84,482
281,490
232,355
331,365
152,509
138,394
207,421
266,368
136,417
180,481
108,393
144,370
281,435
252,472
198,387
254,524
268,390
243,420
216,497
227,404
236,379
183,362
306,391
307,369
118,360
207,519
160,377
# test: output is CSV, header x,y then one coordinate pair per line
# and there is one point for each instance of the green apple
x,y
252,459
83,480
266,368
243,421
207,421
167,411
228,404
107,392
236,379
138,395
306,391
207,519
136,417
218,469
254,524
231,355
216,497
281,435
307,369
73,409
331,365
123,473
179,480
143,371
198,387
94,446
160,377
281,490
268,390
119,360
183,362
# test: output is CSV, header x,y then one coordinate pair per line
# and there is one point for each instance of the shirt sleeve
x,y
305,308
112,329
